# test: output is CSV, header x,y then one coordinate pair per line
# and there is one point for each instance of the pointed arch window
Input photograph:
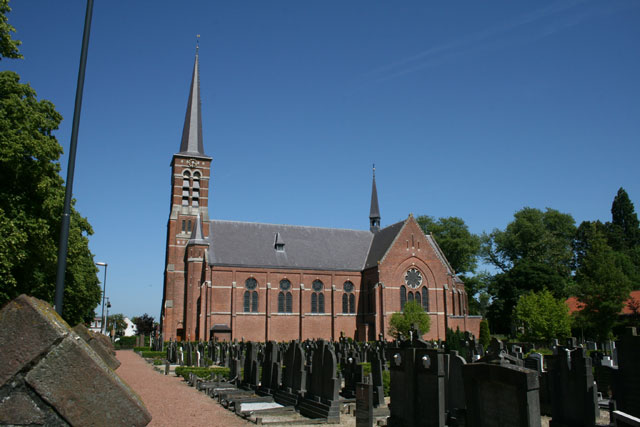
x,y
254,302
281,308
289,301
403,296
247,301
348,298
317,297
418,298
410,298
425,299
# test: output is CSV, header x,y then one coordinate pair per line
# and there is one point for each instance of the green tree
x,y
116,322
412,314
601,283
485,334
534,252
144,324
459,245
541,317
624,229
8,46
31,199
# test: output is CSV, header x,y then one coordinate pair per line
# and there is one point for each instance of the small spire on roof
x,y
197,237
374,212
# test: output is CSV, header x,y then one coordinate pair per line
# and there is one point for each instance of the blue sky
x,y
469,109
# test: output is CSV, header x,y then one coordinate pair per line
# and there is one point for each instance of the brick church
x,y
231,280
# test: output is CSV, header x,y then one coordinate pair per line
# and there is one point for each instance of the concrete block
x,y
29,327
19,408
98,345
74,380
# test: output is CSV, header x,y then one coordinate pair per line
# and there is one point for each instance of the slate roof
x,y
191,143
251,244
382,240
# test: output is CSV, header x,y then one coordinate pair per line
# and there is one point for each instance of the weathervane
x,y
197,43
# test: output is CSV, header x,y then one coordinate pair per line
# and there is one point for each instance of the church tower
x,y
188,221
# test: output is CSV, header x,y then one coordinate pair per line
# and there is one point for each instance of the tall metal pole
x,y
64,229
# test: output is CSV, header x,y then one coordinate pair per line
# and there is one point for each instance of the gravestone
x,y
626,387
294,376
364,404
417,386
271,369
455,386
377,382
321,399
500,395
50,376
574,400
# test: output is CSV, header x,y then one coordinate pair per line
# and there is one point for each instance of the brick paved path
x,y
169,399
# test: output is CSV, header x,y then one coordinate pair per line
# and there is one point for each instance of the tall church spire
x,y
192,131
374,213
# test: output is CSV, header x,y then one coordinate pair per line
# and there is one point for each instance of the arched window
x,y
281,302
195,192
403,296
289,302
254,302
186,184
418,298
247,297
348,298
410,296
425,299
317,297
251,298
453,302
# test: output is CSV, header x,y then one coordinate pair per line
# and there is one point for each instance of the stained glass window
x,y
251,283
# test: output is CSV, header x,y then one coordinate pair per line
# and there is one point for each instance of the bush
x,y
153,354
125,343
204,373
386,382
158,362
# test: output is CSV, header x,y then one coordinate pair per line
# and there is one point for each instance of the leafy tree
x,y
533,253
116,322
8,46
144,324
400,323
542,317
31,202
459,245
602,285
485,334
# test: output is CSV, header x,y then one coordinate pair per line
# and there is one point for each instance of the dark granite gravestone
x,y
321,398
500,395
417,387
353,373
271,369
626,386
574,400
294,376
455,385
251,368
376,378
364,404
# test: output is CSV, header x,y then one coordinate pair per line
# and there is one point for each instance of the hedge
x,y
204,373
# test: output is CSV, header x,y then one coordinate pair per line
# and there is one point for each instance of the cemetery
x,y
56,375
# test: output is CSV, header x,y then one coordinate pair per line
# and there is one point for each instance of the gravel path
x,y
169,399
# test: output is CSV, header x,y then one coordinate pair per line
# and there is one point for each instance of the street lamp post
x,y
104,291
106,319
